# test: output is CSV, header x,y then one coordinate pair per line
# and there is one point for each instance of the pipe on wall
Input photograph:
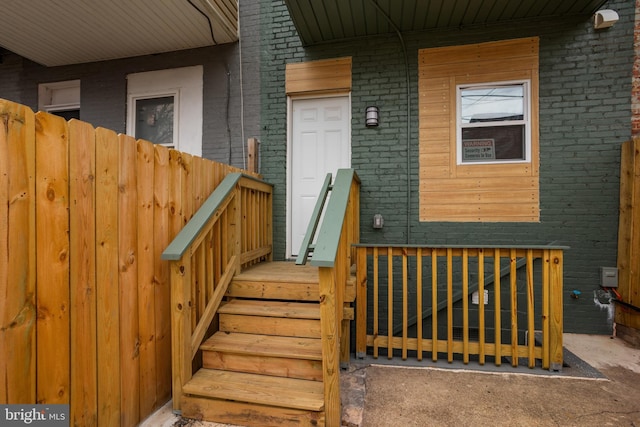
x,y
407,81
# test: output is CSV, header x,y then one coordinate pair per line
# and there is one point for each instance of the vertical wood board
x,y
53,304
82,261
107,284
17,256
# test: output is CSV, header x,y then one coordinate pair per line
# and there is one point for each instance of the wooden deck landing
x,y
280,271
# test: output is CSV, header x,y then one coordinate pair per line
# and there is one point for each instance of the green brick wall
x,y
585,115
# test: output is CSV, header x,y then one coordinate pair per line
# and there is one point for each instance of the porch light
x,y
378,221
372,116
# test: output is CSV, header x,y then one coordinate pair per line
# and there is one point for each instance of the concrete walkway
x,y
600,386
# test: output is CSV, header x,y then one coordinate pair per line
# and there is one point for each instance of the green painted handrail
x,y
307,243
188,234
326,247
192,229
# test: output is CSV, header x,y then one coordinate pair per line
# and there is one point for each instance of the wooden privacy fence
x,y
84,296
627,312
498,302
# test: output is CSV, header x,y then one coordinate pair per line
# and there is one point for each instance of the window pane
x,y
67,114
483,144
154,120
490,104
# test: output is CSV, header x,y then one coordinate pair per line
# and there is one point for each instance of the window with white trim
x,y
60,98
493,123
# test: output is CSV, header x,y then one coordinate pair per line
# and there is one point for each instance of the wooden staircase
x,y
263,367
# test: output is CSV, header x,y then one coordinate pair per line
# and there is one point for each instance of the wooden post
x,y
253,155
180,327
329,328
361,303
556,324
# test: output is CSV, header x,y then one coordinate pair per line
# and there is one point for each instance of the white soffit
x,y
61,32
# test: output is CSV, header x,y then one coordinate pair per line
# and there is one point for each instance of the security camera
x,y
605,18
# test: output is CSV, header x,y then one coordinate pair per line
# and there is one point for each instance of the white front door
x,y
320,143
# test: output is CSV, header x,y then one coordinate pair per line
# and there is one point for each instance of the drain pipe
x,y
407,78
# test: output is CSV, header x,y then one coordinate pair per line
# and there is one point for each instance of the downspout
x,y
407,78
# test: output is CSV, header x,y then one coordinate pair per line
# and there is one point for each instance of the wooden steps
x,y
260,389
263,366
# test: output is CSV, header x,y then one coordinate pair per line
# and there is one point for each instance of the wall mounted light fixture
x,y
372,116
605,18
378,221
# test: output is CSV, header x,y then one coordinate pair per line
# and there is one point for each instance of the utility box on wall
x,y
609,277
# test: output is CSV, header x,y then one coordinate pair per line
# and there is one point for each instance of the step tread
x,y
279,272
293,310
265,345
258,389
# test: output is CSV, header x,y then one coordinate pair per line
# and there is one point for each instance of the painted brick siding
x,y
104,89
585,115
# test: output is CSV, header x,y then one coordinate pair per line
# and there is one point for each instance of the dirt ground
x,y
445,397
418,397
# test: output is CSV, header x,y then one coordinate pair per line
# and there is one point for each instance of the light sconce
x,y
605,18
378,221
372,116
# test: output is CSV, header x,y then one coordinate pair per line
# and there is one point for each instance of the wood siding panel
x,y
325,76
456,196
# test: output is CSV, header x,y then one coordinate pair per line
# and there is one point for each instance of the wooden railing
x,y
334,255
232,230
448,311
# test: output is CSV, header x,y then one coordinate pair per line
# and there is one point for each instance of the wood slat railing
x,y
521,319
333,253
231,231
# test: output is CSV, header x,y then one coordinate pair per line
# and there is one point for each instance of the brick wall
x,y
585,114
104,89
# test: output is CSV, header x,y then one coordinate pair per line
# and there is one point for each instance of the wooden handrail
x,y
340,229
326,247
231,230
307,243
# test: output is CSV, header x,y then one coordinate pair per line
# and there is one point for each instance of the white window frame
x,y
526,121
131,123
69,91
186,86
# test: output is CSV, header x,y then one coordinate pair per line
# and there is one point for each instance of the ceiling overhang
x,y
322,21
65,32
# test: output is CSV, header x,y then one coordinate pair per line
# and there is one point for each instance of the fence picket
x,y
146,279
107,283
128,277
162,298
83,278
17,255
52,189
